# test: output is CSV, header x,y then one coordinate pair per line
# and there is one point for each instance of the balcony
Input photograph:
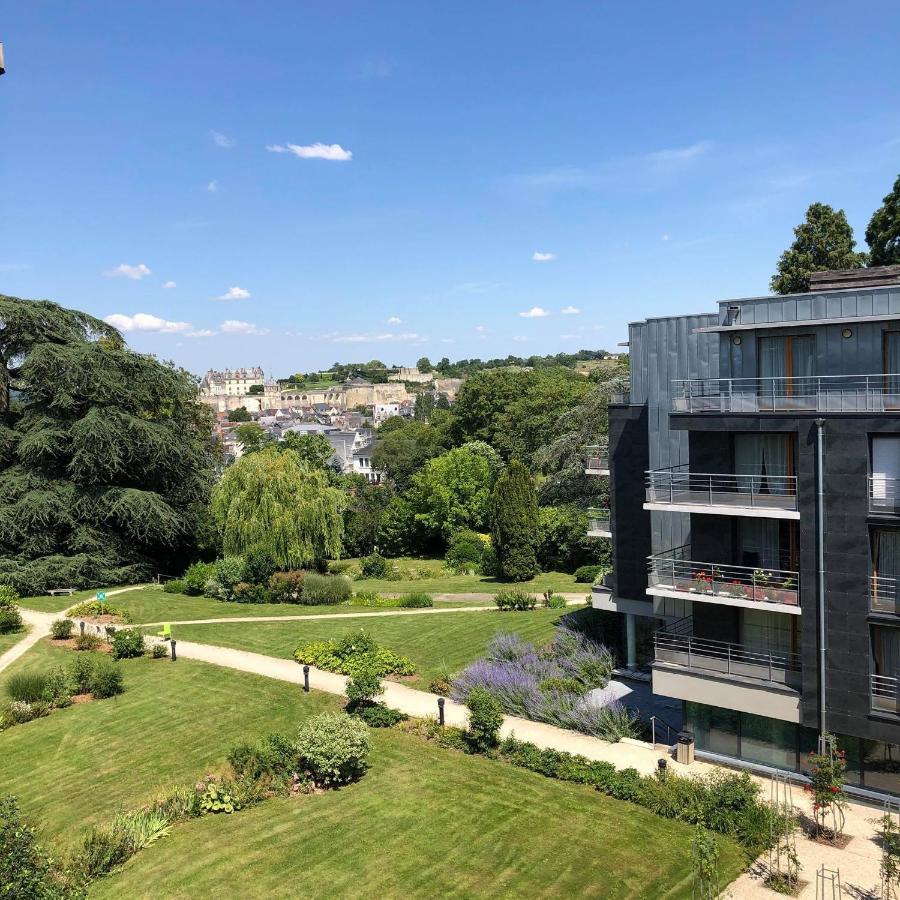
x,y
884,694
677,490
884,495
672,574
725,659
883,596
811,393
598,523
597,460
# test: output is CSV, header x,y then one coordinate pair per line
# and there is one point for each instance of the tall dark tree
x,y
424,406
106,459
822,241
883,233
514,522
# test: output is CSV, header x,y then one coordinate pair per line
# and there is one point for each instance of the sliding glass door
x,y
786,366
891,368
765,460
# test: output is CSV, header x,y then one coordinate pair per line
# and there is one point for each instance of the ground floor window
x,y
784,745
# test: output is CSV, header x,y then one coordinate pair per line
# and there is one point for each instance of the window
x,y
891,365
885,651
786,366
885,485
885,568
762,455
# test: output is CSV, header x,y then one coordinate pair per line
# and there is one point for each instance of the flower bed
x,y
354,653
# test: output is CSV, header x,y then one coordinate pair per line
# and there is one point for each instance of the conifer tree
x,y
883,233
514,522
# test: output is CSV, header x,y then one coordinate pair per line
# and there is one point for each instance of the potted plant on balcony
x,y
701,583
761,583
785,593
738,590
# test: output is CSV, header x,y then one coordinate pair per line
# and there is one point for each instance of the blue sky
x,y
657,154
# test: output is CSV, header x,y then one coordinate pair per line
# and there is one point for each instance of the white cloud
x,y
200,333
213,186
539,256
481,329
665,237
570,311
376,337
146,322
235,293
135,273
519,338
169,285
334,152
681,154
394,320
536,312
222,140
236,326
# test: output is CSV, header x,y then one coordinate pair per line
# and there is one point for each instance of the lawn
x,y
424,821
46,603
8,640
433,642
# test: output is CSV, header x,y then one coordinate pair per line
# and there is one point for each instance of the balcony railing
x,y
883,595
678,485
884,693
598,523
672,571
818,393
596,460
884,495
723,658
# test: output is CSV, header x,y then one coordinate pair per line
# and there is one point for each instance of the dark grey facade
x,y
732,580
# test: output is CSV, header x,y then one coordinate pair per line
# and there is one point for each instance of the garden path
x,y
352,615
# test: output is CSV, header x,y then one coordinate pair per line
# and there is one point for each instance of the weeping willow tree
x,y
278,503
106,461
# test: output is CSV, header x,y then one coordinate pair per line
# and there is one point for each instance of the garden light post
x,y
306,679
173,650
441,702
81,627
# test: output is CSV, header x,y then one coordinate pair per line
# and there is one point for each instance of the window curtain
x,y
758,455
887,563
759,541
748,460
886,650
767,632
772,363
892,361
803,364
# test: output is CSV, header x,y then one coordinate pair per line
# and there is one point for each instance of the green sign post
x,y
101,595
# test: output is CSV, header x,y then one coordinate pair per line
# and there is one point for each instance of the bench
x,y
56,591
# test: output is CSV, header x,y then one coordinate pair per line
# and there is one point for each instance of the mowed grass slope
x,y
58,603
8,640
433,642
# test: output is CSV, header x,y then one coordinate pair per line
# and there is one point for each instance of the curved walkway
x,y
369,614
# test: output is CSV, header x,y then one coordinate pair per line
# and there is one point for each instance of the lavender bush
x,y
548,684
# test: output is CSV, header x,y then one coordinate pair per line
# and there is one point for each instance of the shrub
x,y
415,600
516,600
374,600
87,641
355,652
159,651
175,586
61,629
334,748
106,679
287,587
485,719
196,576
325,589
27,871
377,715
91,609
26,687
588,574
340,567
363,688
275,755
10,621
127,643
228,572
244,592
81,672
218,798
9,597
374,566
259,566
102,850
465,551
554,601
57,690
18,713
490,564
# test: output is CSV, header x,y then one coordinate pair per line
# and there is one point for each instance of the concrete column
x,y
630,641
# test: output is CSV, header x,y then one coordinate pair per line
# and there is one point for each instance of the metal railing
x,y
596,459
673,571
884,495
883,596
725,658
678,485
884,693
819,393
598,521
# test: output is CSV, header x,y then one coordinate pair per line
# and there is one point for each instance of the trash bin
x,y
684,749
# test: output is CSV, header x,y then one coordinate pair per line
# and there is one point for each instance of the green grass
x,y
9,640
46,603
433,642
424,820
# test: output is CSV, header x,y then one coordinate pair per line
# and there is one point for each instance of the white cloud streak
x,y
213,186
135,273
394,320
236,326
235,293
333,152
570,311
409,337
222,140
146,322
539,256
536,312
169,285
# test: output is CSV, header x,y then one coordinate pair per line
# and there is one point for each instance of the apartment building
x,y
755,518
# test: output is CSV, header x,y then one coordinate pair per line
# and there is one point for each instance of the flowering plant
x,y
826,785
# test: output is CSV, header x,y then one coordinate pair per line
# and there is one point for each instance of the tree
x,y
251,436
514,522
403,446
452,491
883,233
239,415
312,449
424,406
256,389
274,502
424,364
562,542
822,242
363,517
106,459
